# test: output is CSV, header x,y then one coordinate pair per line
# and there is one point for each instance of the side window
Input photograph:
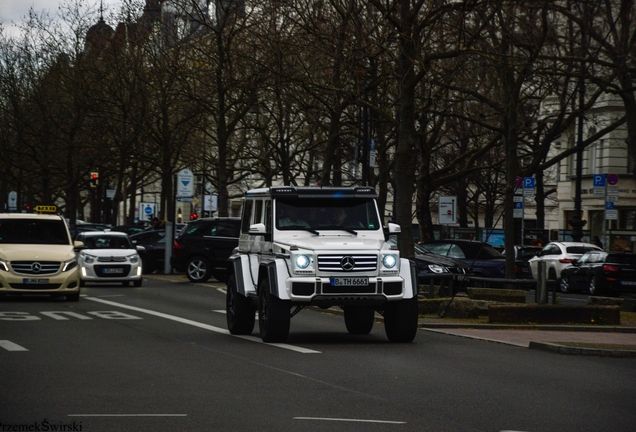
x,y
258,212
268,216
247,216
586,258
212,229
456,252
225,229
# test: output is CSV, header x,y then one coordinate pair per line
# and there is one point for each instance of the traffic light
x,y
94,179
27,208
194,216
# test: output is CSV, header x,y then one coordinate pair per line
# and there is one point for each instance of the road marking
x,y
348,420
10,346
127,415
202,326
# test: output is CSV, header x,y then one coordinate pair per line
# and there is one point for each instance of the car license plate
x,y
628,283
112,271
349,281
33,281
460,277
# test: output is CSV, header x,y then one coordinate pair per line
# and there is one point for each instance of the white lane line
x,y
10,346
348,420
127,415
203,326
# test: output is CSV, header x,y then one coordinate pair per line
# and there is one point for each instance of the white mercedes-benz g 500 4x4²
x,y
302,246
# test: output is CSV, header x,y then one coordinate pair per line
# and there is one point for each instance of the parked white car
x,y
109,257
557,256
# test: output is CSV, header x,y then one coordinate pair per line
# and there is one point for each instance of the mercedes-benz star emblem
x,y
36,267
347,263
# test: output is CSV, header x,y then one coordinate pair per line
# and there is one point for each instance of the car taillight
x,y
565,260
610,268
176,245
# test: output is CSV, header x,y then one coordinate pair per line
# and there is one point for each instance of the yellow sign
x,y
46,209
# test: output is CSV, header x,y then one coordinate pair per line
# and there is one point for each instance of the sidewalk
x,y
615,341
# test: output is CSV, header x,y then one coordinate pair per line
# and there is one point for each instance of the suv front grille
x,y
347,263
35,267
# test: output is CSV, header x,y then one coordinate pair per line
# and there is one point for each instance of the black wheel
x,y
138,283
73,297
400,320
125,283
273,315
220,275
359,319
592,288
198,269
240,312
564,284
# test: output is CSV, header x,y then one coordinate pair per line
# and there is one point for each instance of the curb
x,y
579,328
562,349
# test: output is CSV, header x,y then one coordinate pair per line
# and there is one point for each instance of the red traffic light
x,y
194,216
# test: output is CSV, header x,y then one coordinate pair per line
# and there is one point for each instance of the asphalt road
x,y
159,358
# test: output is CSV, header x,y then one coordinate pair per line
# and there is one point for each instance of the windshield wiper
x,y
349,230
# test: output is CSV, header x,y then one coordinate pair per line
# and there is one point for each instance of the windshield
x,y
33,231
107,242
357,214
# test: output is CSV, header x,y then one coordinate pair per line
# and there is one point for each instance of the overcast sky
x,y
12,11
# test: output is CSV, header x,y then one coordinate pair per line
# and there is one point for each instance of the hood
x,y
109,252
334,243
441,260
29,252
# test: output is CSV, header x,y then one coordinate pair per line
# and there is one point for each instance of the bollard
x,y
541,294
167,268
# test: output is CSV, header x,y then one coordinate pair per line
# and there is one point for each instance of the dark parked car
x,y
430,265
130,229
202,248
524,253
154,243
483,259
599,272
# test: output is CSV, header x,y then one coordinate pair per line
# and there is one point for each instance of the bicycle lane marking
x,y
202,325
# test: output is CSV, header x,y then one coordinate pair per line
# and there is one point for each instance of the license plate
x,y
112,271
349,281
35,281
628,283
460,277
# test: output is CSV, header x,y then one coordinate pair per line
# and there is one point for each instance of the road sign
x,y
518,205
447,210
599,180
517,199
611,198
611,214
147,211
609,205
612,179
528,183
185,183
518,182
517,213
12,202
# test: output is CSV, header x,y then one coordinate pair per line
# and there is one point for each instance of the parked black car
x,y
202,248
484,260
154,242
432,266
600,272
130,229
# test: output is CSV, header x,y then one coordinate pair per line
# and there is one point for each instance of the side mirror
x,y
257,229
139,248
394,228
78,245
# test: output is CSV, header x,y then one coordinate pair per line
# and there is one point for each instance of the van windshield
x,y
33,231
357,214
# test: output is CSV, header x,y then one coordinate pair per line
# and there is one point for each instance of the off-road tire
x,y
359,319
400,320
198,269
240,312
273,315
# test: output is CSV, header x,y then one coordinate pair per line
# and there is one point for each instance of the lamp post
x,y
577,221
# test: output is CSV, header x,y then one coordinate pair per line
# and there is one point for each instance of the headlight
x,y
134,258
437,268
4,265
72,263
389,261
302,261
88,259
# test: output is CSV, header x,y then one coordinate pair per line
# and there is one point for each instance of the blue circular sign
x,y
148,210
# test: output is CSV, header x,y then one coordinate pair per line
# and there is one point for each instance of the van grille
x,y
35,267
347,263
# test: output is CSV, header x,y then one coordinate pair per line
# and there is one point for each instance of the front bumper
x,y
59,283
110,272
319,290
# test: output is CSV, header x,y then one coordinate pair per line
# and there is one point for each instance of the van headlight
x,y
70,264
389,261
303,261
